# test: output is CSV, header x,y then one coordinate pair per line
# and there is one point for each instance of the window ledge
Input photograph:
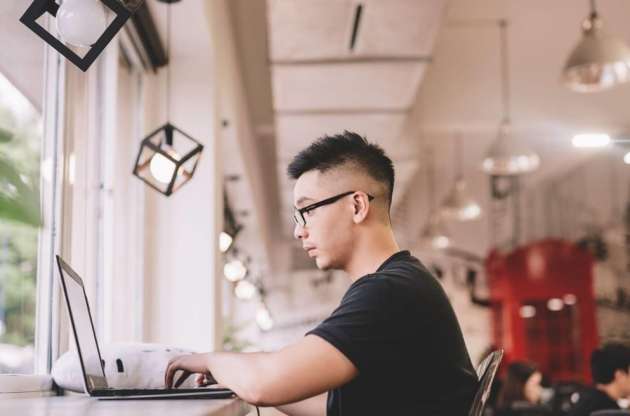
x,y
22,383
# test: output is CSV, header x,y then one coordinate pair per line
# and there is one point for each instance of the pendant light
x,y
80,23
168,157
435,234
459,205
599,61
506,156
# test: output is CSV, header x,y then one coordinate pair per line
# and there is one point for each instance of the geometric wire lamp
x,y
80,23
168,157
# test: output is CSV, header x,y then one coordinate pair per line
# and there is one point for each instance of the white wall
x,y
181,231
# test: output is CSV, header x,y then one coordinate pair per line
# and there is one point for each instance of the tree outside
x,y
20,141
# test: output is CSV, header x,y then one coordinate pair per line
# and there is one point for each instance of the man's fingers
x,y
169,373
182,378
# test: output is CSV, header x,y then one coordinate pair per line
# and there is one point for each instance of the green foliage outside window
x,y
20,139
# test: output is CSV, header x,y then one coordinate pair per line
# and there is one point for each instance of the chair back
x,y
486,370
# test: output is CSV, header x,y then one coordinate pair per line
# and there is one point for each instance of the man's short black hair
x,y
608,359
329,152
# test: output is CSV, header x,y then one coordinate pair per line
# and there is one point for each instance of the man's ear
x,y
361,207
619,375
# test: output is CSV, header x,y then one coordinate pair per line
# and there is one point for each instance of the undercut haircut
x,y
329,152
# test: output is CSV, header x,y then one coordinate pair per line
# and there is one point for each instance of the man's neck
x,y
371,250
611,390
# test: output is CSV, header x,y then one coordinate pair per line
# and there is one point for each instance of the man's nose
x,y
299,232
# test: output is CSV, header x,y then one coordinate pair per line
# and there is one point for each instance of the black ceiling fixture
x,y
168,157
82,25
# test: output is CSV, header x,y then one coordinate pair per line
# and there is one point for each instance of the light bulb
x,y
225,241
263,318
244,290
440,242
234,270
592,140
162,168
527,311
555,304
81,22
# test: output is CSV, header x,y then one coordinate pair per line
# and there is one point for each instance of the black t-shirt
x,y
592,400
398,328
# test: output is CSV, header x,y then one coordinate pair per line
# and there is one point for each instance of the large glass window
x,y
20,143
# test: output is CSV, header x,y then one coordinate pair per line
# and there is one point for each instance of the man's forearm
x,y
238,371
295,373
314,406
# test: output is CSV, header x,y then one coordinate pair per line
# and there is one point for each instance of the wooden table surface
x,y
83,405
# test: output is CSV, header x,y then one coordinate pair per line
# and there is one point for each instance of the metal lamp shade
x,y
598,62
122,9
507,157
435,234
167,159
459,205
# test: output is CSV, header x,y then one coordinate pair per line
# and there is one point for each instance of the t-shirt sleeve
x,y
361,326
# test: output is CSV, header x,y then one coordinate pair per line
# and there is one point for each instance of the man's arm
x,y
314,406
302,370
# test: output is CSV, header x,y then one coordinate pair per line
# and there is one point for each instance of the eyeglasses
x,y
298,213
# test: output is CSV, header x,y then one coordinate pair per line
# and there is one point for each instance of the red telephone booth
x,y
543,307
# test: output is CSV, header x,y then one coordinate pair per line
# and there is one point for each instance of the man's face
x,y
328,233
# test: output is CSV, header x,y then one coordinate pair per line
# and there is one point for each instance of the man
x,y
393,346
610,367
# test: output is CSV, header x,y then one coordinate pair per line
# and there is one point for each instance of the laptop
x,y
92,365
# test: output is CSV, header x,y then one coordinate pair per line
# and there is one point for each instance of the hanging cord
x,y
257,411
459,157
168,67
593,9
430,184
504,71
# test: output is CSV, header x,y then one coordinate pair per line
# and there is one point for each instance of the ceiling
x,y
321,84
419,73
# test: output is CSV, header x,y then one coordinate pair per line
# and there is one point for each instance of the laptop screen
x,y
82,325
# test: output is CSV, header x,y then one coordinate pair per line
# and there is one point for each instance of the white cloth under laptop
x,y
95,366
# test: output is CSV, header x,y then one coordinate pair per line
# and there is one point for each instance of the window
x,y
20,146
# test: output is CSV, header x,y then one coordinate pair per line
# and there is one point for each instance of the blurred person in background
x,y
610,367
521,392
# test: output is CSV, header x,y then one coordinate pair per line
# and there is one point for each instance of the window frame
x,y
47,299
60,168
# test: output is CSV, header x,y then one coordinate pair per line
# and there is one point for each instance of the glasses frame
x,y
298,213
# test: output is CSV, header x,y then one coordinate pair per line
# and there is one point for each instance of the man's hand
x,y
188,364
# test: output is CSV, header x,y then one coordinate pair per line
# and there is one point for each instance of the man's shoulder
x,y
591,400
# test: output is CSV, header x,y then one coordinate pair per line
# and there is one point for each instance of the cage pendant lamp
x,y
84,27
506,155
168,157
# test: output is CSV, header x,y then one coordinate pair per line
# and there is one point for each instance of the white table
x,y
82,405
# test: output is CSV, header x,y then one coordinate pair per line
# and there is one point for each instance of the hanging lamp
x,y
599,61
435,234
506,156
459,205
83,26
168,157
